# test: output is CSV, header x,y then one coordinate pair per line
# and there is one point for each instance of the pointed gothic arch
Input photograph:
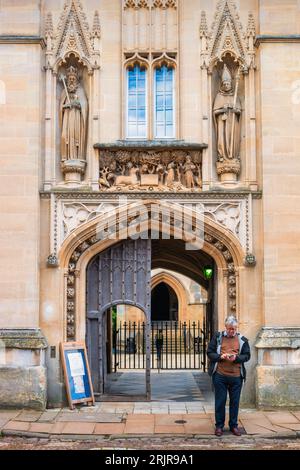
x,y
79,248
177,287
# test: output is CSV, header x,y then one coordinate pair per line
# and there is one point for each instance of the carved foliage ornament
x,y
228,214
136,4
203,25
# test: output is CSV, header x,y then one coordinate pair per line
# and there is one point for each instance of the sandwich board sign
x,y
77,373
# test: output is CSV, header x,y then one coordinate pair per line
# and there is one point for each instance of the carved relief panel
x,y
168,170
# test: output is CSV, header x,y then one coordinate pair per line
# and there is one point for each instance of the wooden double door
x,y
118,275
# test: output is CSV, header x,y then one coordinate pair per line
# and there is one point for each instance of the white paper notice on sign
x,y
76,364
78,384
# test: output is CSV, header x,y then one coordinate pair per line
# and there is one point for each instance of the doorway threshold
x,y
121,398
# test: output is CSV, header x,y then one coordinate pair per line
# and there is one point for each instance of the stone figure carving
x,y
227,119
188,169
131,178
73,117
143,170
170,174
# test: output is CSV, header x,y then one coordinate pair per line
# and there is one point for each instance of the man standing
x,y
228,351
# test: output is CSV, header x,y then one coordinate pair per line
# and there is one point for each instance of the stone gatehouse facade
x,y
116,109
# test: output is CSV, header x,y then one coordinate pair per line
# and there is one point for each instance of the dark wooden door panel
x,y
119,275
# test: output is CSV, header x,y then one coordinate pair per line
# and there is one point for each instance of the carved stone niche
x,y
228,92
72,63
151,166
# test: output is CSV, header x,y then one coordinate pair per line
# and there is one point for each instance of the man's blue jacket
x,y
214,352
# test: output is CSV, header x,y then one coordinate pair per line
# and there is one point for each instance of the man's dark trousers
x,y
222,384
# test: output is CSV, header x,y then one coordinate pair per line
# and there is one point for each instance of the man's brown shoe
x,y
236,431
219,432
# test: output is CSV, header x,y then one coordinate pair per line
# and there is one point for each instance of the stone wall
x,y
278,369
23,381
20,167
280,121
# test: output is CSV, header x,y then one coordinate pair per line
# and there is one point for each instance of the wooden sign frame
x,y
77,373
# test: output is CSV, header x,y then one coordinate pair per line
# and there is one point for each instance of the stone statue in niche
x,y
73,109
227,113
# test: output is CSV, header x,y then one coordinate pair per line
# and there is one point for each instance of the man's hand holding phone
x,y
229,357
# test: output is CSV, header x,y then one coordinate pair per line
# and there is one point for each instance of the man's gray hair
x,y
231,320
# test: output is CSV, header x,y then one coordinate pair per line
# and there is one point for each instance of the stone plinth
x,y
72,170
22,368
278,369
228,171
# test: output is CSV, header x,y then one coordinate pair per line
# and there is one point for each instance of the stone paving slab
x,y
108,428
162,420
139,427
6,416
41,428
203,426
107,409
195,416
280,417
124,409
89,409
169,429
252,415
30,416
157,411
258,426
78,428
282,430
95,418
140,418
176,412
48,416
57,428
138,411
292,427
196,411
17,426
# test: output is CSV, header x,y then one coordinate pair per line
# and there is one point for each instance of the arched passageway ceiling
x,y
172,255
184,270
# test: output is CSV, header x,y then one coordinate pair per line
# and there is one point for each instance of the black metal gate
x,y
174,345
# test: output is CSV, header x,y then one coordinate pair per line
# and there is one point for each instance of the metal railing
x,y
174,345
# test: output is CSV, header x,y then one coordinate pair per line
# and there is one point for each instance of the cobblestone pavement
x,y
163,443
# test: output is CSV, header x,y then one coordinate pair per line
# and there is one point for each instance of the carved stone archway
x,y
79,248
